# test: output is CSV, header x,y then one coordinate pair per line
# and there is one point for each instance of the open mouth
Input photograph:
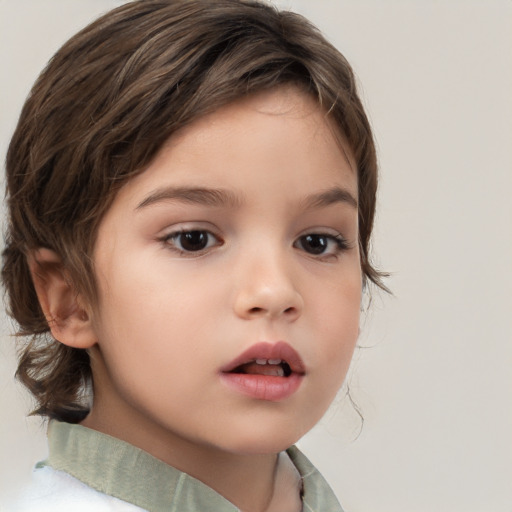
x,y
269,372
275,360
268,367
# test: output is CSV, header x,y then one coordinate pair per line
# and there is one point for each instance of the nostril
x,y
258,310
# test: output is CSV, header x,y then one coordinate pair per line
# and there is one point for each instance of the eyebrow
x,y
195,195
328,197
216,197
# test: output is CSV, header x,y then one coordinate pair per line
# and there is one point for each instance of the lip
x,y
265,387
280,350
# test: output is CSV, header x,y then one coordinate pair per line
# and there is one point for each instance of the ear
x,y
67,317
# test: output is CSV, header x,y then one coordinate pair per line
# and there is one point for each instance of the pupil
x,y
194,240
316,244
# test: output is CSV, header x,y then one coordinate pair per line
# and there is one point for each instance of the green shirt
x,y
118,469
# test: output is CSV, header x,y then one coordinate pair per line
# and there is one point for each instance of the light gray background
x,y
435,386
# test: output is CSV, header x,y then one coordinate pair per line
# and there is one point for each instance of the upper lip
x,y
264,350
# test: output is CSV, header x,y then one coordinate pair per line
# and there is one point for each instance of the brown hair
x,y
104,106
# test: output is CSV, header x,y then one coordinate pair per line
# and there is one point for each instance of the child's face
x,y
239,242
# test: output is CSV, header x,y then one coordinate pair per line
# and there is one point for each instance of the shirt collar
x,y
118,469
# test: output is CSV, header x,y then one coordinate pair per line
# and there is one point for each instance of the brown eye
x,y
314,244
191,241
321,244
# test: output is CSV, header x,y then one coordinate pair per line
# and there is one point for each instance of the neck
x,y
246,480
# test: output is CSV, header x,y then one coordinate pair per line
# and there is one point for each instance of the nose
x,y
266,287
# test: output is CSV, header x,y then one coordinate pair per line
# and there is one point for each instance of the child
x,y
191,191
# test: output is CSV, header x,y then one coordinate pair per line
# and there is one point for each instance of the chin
x,y
264,439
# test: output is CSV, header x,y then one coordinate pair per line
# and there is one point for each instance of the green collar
x,y
118,469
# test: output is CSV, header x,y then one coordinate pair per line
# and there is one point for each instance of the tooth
x,y
274,361
261,361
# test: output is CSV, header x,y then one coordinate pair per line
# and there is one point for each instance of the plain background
x,y
433,374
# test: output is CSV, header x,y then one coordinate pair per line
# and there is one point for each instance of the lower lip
x,y
263,387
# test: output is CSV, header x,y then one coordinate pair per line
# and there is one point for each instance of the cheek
x,y
336,335
337,307
147,304
337,331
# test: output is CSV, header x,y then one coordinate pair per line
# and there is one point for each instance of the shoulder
x,y
56,491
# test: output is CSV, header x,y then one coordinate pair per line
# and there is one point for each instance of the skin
x,y
167,320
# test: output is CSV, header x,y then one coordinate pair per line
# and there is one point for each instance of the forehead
x,y
282,135
288,104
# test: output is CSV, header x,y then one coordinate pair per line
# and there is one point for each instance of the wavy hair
x,y
103,107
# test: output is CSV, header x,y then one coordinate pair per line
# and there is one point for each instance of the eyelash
x,y
340,244
170,240
323,240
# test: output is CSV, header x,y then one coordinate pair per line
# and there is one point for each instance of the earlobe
x,y
68,319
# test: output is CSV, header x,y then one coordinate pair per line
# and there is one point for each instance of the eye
x,y
195,240
321,244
